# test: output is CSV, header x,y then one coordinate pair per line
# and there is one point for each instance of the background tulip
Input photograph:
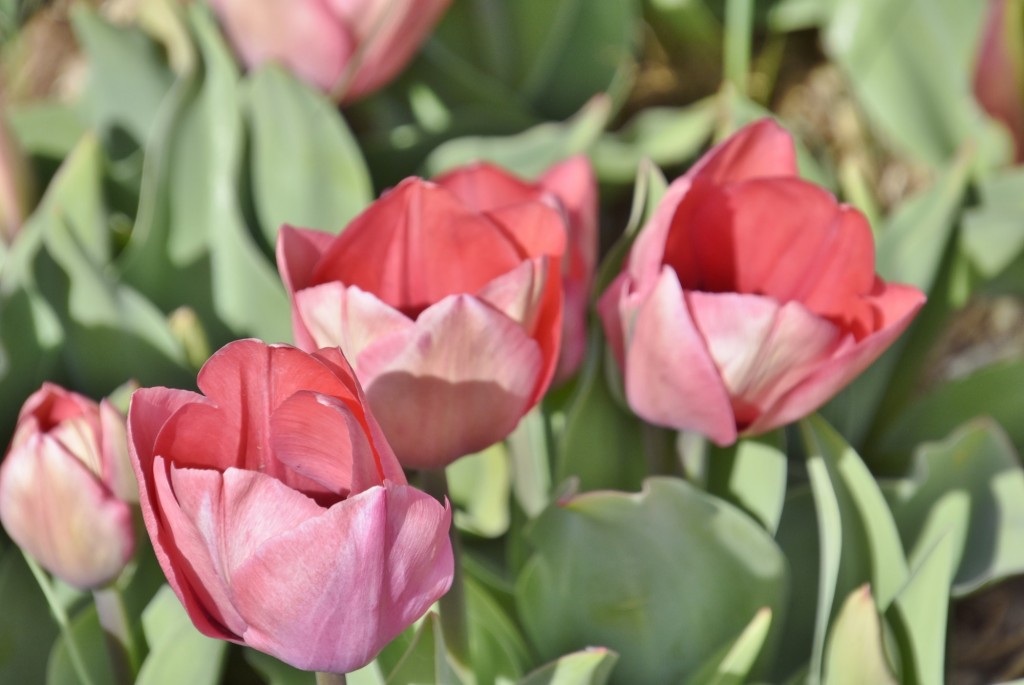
x,y
346,47
66,484
999,71
750,298
451,316
486,187
279,513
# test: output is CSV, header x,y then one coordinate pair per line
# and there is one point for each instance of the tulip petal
x,y
609,308
762,348
573,182
347,317
318,437
117,465
538,228
484,187
670,377
298,251
57,510
465,375
320,596
416,245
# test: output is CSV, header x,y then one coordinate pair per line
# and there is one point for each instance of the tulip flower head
x,y
999,71
750,298
451,316
279,513
346,47
486,187
66,487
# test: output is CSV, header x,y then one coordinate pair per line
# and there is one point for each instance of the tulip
x,y
486,187
451,316
345,47
66,486
999,71
279,513
750,297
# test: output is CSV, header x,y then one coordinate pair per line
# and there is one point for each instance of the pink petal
x,y
117,465
320,596
484,187
538,228
999,73
347,317
463,379
416,245
609,308
573,182
298,252
58,511
318,437
670,377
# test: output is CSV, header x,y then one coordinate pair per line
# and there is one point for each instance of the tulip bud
x,y
999,72
66,484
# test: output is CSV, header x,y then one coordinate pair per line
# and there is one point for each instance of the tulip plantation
x,y
522,342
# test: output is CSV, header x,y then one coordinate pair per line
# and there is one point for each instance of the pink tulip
x,y
347,47
999,72
750,298
278,512
66,485
451,316
486,187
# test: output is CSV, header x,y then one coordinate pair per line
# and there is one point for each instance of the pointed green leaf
x,y
426,661
178,653
752,475
591,666
856,653
733,664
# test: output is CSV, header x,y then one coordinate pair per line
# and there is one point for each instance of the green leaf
x,y
178,653
531,152
307,169
26,631
615,570
856,653
479,483
44,128
128,78
88,636
991,236
499,650
798,537
978,461
277,672
732,665
426,661
752,475
530,462
592,666
910,67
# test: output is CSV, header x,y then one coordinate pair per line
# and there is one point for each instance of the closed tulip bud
x,y
750,298
66,486
346,47
999,70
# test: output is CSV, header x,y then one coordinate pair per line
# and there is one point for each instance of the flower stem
x,y
660,451
454,617
61,617
117,633
330,678
739,24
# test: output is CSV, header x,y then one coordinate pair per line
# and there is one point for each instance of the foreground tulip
x,y
279,513
451,316
66,487
750,298
999,71
485,187
346,47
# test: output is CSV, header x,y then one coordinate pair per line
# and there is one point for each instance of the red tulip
x,y
279,513
750,298
66,485
485,187
346,47
451,316
999,72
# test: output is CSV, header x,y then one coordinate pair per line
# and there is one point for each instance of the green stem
x,y
739,25
660,451
330,678
454,617
61,617
117,633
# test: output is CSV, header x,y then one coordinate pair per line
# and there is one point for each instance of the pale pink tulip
x,y
451,316
278,512
347,47
750,298
571,183
66,486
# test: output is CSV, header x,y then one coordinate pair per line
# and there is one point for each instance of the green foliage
x,y
178,653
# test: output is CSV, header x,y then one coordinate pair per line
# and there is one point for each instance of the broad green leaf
x,y
307,169
909,64
499,650
615,569
732,666
44,128
531,152
128,78
668,136
530,462
991,236
178,653
752,475
479,484
979,462
426,661
856,653
591,666
26,631
88,636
